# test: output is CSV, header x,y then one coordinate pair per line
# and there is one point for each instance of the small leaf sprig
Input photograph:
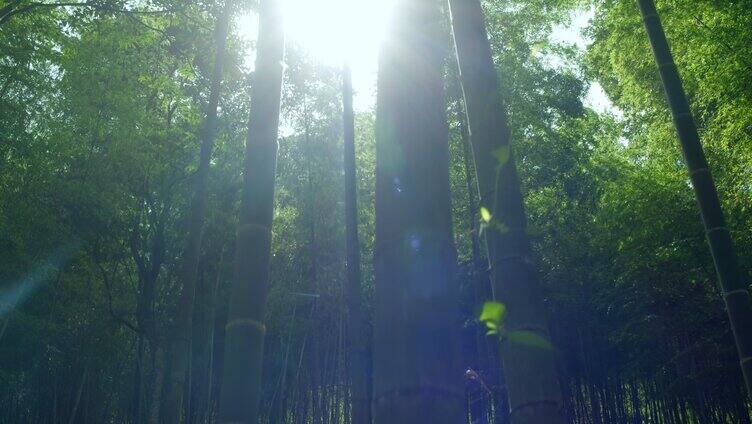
x,y
492,315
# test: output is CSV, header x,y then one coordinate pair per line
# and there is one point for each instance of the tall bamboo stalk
x,y
245,329
531,377
357,342
417,372
732,284
180,334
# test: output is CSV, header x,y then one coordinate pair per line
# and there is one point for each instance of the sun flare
x,y
334,31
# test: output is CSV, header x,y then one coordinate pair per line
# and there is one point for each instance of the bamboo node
x,y
735,292
721,228
247,322
532,404
668,64
698,170
418,391
526,259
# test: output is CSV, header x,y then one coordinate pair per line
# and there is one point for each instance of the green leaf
x,y
502,154
485,214
529,338
493,312
538,47
500,227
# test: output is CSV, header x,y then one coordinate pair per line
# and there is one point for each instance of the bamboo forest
x,y
376,211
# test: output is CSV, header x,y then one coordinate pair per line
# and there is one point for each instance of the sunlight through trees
x,y
362,211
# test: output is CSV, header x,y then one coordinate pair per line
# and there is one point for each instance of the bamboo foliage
x,y
245,328
530,372
180,336
105,140
732,284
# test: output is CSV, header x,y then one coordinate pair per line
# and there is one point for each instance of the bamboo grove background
x,y
101,109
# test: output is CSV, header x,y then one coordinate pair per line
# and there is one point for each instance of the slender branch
x,y
135,18
108,289
8,12
8,8
135,247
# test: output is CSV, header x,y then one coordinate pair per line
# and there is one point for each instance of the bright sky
x,y
334,31
337,30
572,34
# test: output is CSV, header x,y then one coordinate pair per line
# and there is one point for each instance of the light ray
x,y
335,31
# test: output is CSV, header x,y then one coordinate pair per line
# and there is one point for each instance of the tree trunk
x,y
361,410
218,353
155,410
417,367
79,392
245,329
148,274
733,287
180,336
530,372
136,408
198,383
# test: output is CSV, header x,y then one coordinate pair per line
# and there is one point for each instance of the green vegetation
x,y
201,225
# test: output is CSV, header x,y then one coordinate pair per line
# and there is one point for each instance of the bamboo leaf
x,y
529,338
485,214
493,314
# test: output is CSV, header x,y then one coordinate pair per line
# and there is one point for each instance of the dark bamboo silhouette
x,y
245,329
180,336
361,402
531,377
733,286
417,372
